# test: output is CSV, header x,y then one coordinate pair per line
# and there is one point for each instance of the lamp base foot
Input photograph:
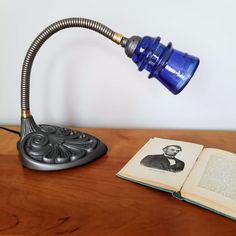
x,y
50,148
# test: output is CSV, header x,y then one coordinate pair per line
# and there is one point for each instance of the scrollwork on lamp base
x,y
47,147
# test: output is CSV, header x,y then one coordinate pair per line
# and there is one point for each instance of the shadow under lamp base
x,y
49,148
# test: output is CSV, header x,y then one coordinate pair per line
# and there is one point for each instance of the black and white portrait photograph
x,y
163,160
166,160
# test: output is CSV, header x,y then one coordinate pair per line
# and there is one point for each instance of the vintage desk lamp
x,y
47,147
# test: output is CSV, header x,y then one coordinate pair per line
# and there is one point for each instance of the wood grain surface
x,y
91,200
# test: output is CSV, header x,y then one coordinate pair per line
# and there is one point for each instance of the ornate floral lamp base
x,y
49,148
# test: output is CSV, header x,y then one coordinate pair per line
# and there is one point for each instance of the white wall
x,y
80,78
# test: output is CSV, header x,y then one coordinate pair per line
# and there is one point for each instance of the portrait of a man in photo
x,y
166,161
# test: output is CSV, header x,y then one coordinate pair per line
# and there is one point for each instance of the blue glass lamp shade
x,y
171,67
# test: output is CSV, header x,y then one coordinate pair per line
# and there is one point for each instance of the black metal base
x,y
50,148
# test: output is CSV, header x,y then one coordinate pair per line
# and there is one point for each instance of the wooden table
x,y
91,200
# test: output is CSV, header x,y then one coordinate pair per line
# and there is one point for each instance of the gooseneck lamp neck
x,y
42,37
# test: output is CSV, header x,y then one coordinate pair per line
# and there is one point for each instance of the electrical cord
x,y
10,130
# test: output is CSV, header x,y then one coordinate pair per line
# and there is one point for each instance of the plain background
x,y
80,78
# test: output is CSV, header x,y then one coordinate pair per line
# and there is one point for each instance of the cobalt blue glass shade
x,y
172,68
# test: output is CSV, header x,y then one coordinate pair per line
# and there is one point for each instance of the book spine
x,y
177,195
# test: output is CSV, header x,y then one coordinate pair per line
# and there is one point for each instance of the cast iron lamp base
x,y
48,148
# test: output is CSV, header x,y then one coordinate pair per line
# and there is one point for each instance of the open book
x,y
202,176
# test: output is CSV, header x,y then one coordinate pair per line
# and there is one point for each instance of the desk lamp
x,y
49,148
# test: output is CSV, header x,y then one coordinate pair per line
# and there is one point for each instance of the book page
x,y
162,163
212,181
